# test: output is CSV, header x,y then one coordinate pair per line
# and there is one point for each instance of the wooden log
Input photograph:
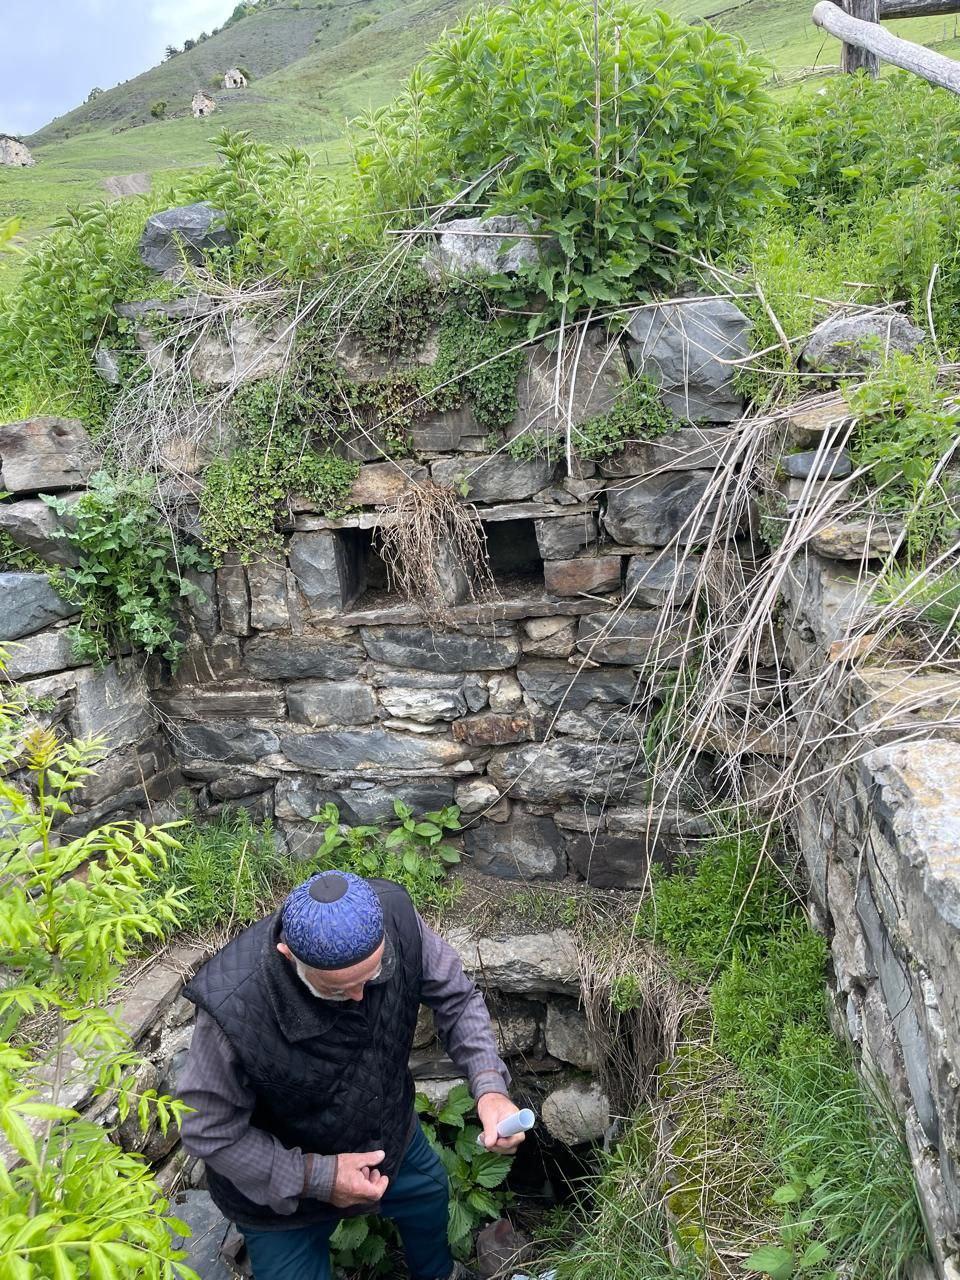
x,y
931,66
854,58
917,8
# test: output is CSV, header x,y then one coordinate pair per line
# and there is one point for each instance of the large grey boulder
x,y
496,478
526,848
656,581
689,349
43,454
659,509
499,245
374,802
113,704
854,344
576,1113
527,963
47,651
186,232
30,603
582,381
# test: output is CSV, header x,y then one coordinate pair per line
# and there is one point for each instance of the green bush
x,y
130,577
414,854
679,157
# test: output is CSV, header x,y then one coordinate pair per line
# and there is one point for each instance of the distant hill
x,y
314,65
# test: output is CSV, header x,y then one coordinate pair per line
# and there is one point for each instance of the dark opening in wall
x,y
374,584
514,555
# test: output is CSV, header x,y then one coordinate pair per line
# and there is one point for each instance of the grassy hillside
x,y
314,66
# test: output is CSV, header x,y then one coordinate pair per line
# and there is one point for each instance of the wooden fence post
x,y
853,59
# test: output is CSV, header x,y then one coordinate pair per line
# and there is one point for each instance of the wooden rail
x,y
870,38
918,8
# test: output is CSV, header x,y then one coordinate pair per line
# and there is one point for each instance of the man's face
x,y
339,984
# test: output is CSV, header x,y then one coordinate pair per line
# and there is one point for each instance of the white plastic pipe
x,y
519,1122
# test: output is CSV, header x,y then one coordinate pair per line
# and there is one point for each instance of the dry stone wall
x,y
305,681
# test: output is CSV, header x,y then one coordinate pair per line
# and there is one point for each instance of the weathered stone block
x,y
496,477
609,862
525,848
591,575
44,454
528,963
500,244
555,770
657,581
297,797
567,1035
199,608
224,740
820,464
660,509
476,795
34,525
42,653
380,483
233,596
30,603
565,536
324,702
553,683
597,370
115,705
628,636
372,750
690,349
439,651
294,657
186,232
328,570
549,637
267,579
854,344
425,706
375,802
493,728
446,430
505,693
577,1113
866,539
249,699
688,449
240,350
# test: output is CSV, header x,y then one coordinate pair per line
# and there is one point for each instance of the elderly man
x,y
298,1075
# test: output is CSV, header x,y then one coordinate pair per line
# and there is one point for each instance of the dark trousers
x,y
416,1201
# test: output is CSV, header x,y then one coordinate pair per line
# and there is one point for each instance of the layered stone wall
x,y
306,681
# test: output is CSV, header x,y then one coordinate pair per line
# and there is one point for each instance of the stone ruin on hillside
x,y
307,679
14,153
203,104
234,79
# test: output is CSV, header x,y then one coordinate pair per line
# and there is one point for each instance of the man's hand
x,y
357,1180
492,1108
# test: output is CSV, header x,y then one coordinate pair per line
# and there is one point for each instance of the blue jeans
x,y
416,1201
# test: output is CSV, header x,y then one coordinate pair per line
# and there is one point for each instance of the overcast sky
x,y
53,52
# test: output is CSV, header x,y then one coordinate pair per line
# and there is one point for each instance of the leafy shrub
x,y
72,1203
414,854
904,431
857,140
129,579
61,306
158,109
513,88
474,1172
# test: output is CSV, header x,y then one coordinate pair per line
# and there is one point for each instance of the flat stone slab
x,y
659,509
296,657
522,963
30,603
439,651
372,750
44,454
684,450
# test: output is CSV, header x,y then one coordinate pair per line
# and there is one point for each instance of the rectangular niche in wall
x,y
515,561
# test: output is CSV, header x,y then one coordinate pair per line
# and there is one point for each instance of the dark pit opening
x,y
514,555
545,1172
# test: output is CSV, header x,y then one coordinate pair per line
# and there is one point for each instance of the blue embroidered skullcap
x,y
332,920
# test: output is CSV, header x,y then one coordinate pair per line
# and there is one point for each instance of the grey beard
x,y
302,975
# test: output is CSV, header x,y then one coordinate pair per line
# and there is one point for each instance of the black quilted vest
x,y
329,1076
